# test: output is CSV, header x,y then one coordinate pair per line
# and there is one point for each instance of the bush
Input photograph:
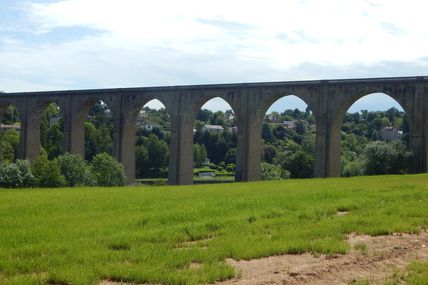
x,y
10,176
270,171
47,173
354,167
28,179
387,158
107,171
75,170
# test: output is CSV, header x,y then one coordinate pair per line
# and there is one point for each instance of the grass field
x,y
183,234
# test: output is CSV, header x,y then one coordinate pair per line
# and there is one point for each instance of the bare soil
x,y
375,263
371,258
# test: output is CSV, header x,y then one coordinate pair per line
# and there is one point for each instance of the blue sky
x,y
80,44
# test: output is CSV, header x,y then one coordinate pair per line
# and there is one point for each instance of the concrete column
x,y
248,153
74,116
29,139
124,143
422,92
418,140
425,140
180,170
327,144
3,109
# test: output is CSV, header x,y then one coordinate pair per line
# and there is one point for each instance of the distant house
x,y
390,134
273,118
16,126
289,124
148,127
212,128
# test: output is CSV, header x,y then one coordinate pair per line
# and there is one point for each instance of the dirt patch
x,y
371,258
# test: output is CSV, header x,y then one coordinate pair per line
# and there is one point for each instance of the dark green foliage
x,y
107,171
47,173
270,171
300,164
24,166
199,154
11,115
98,131
51,135
75,170
158,152
386,158
9,141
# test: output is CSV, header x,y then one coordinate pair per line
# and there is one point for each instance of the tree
x,y
11,115
107,171
90,140
47,173
9,144
53,141
75,170
199,154
158,153
267,133
24,166
142,164
300,165
204,115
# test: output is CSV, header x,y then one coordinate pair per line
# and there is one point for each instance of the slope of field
x,y
184,234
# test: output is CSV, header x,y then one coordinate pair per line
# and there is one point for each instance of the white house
x,y
212,128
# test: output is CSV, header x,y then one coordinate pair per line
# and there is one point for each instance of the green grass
x,y
155,234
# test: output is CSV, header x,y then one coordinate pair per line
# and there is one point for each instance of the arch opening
x,y
152,137
375,137
98,130
288,140
214,142
52,131
10,130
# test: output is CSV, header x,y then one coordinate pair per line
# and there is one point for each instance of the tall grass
x,y
156,234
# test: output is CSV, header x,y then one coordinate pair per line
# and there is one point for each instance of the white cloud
x,y
143,43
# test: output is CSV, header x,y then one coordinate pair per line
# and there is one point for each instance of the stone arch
x,y
12,124
198,102
299,131
163,136
363,92
270,99
225,148
337,111
42,108
91,146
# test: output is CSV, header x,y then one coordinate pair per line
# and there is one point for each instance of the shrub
x,y
75,170
270,171
47,172
28,179
10,176
107,171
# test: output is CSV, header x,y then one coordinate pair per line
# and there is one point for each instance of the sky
x,y
87,44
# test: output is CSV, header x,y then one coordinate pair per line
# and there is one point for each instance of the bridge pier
x,y
180,169
74,127
248,152
124,143
29,139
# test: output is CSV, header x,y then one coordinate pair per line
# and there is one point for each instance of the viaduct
x,y
328,99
